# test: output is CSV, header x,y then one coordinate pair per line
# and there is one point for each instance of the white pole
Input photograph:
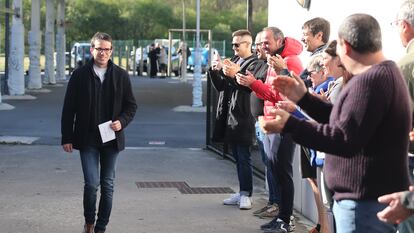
x,y
0,75
35,41
184,50
16,58
197,89
50,43
60,42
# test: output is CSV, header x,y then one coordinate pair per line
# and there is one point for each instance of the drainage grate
x,y
184,188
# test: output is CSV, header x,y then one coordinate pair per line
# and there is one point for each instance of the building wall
x,y
289,16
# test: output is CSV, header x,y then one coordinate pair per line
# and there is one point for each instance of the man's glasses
x,y
236,45
103,50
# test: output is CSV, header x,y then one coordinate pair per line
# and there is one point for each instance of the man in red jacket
x,y
282,55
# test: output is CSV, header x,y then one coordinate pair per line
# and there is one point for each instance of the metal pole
x,y
0,75
210,47
249,15
169,53
141,63
127,58
197,88
35,41
61,42
6,48
16,81
134,61
184,50
49,77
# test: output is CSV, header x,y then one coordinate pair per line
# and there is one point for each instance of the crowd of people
x,y
349,108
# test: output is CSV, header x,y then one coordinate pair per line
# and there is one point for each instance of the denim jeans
x,y
241,154
92,159
274,194
281,160
360,217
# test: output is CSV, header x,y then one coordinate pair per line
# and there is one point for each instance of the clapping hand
x,y
230,68
292,87
275,125
245,80
411,135
276,62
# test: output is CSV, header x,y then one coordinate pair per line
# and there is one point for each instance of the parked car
x,y
80,54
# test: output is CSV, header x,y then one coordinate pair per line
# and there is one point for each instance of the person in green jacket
x,y
402,204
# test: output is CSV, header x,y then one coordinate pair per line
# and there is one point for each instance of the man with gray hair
x,y
364,135
282,56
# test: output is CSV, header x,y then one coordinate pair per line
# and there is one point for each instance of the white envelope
x,y
107,134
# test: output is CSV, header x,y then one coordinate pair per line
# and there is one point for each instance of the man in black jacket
x,y
99,94
234,123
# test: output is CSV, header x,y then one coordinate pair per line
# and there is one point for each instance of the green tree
x,y
147,19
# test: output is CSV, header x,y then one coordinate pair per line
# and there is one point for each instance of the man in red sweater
x,y
282,55
364,135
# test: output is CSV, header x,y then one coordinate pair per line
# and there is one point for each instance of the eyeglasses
x,y
238,44
103,50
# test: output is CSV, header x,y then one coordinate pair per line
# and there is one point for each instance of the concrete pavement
x,y
41,191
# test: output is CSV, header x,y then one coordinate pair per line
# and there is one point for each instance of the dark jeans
x,y
241,154
274,194
281,163
92,159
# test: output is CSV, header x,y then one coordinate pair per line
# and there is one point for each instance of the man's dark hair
x,y
331,48
362,32
277,33
317,25
100,36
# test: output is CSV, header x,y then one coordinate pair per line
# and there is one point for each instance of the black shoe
x,y
269,225
279,227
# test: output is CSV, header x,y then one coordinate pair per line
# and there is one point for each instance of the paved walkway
x,y
41,191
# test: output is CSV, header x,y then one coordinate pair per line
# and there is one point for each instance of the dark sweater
x,y
366,137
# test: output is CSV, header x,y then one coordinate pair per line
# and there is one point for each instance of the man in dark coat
x,y
99,94
234,122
